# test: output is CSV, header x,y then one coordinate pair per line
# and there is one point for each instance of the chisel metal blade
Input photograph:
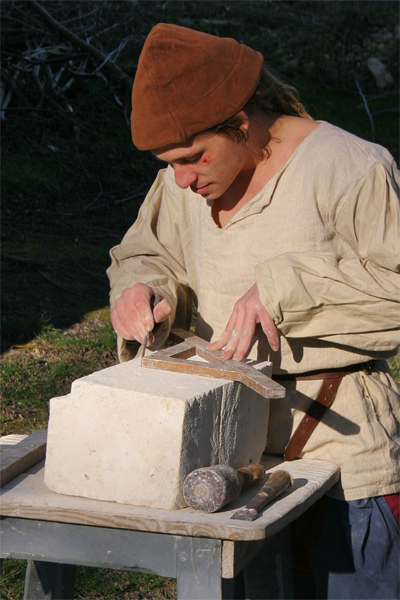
x,y
143,350
154,300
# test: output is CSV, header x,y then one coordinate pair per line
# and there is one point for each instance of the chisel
x,y
276,484
154,300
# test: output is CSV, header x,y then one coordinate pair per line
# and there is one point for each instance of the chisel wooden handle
x,y
277,483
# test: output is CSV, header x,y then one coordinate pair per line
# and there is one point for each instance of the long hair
x,y
270,95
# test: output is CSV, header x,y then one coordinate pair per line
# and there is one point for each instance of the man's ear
x,y
245,120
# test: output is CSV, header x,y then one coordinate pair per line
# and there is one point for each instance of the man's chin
x,y
202,191
209,195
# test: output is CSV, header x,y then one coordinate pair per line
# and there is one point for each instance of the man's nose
x,y
184,176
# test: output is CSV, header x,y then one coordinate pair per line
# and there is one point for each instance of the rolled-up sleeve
x,y
351,300
151,253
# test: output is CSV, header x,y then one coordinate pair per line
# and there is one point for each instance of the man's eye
x,y
193,160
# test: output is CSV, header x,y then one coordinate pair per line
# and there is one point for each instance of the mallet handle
x,y
251,474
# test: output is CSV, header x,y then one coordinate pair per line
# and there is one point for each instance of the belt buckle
x,y
369,367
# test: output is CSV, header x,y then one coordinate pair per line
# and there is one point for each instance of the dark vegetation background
x,y
72,181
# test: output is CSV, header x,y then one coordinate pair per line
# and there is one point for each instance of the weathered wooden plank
x,y
15,459
49,581
198,569
28,497
237,555
99,547
11,439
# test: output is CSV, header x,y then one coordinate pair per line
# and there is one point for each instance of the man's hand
x,y
132,317
247,313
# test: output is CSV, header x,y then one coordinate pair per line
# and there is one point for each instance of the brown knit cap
x,y
187,82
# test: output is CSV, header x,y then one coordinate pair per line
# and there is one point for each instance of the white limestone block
x,y
130,434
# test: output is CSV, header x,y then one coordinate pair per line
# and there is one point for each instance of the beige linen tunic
x,y
321,240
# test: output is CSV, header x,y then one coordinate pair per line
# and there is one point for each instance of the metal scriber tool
x,y
154,300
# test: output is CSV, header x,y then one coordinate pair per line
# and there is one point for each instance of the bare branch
x,y
77,41
371,120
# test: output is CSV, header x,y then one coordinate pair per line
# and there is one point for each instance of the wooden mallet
x,y
210,488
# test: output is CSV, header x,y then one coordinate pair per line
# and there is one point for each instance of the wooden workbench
x,y
204,552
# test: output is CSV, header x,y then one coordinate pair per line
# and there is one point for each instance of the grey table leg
x,y
198,570
49,581
269,575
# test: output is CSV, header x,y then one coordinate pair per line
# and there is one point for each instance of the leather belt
x,y
331,381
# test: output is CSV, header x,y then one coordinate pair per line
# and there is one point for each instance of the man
x,y
284,232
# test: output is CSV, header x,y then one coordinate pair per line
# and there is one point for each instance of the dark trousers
x,y
346,550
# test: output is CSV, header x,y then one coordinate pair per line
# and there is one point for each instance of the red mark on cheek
x,y
206,159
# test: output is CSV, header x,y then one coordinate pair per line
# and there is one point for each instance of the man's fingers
x,y
228,333
235,343
236,339
119,328
273,339
220,342
162,311
132,316
243,345
232,343
242,333
139,307
115,321
124,327
270,330
237,336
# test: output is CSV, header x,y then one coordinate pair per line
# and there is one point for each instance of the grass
x,y
12,579
45,367
123,585
394,364
115,585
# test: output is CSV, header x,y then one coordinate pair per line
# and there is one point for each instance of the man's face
x,y
210,165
